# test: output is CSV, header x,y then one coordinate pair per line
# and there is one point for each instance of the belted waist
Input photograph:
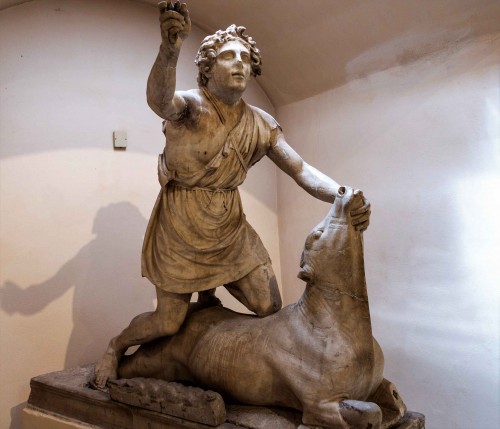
x,y
200,188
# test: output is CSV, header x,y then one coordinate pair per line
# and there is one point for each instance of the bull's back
x,y
235,354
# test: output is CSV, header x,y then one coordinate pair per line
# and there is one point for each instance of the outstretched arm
x,y
307,177
175,26
312,180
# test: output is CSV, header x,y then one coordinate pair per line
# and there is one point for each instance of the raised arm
x,y
175,26
312,180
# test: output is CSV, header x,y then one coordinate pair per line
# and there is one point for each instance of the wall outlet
x,y
119,139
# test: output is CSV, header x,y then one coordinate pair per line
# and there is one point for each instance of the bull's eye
x,y
317,234
312,237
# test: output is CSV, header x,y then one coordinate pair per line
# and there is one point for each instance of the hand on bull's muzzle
x,y
361,216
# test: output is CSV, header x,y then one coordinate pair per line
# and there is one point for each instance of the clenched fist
x,y
175,25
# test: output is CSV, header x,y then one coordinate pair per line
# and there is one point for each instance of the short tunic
x,y
198,237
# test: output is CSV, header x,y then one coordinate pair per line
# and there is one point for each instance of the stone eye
x,y
227,55
317,234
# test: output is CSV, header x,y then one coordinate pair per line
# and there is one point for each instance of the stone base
x,y
66,398
38,419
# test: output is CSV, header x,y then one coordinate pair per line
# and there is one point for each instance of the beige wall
x,y
422,141
73,210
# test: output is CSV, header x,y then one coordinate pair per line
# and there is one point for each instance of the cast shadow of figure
x,y
108,288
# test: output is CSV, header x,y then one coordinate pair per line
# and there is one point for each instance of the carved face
x,y
231,70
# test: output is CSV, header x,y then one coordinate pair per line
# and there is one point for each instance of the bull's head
x,y
328,251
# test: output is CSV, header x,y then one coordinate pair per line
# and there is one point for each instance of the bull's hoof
x,y
360,414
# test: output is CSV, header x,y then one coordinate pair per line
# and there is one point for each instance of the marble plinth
x,y
66,395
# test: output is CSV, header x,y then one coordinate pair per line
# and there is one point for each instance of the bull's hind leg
x,y
346,414
153,360
388,399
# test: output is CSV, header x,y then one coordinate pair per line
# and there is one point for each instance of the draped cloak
x,y
198,237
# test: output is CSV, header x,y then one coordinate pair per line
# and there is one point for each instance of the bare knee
x,y
147,327
266,309
272,304
258,291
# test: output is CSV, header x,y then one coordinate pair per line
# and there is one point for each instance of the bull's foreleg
x,y
361,415
322,415
346,414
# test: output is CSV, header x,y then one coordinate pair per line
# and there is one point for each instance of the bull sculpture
x,y
317,355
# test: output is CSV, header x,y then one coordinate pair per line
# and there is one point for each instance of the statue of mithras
x,y
318,355
198,238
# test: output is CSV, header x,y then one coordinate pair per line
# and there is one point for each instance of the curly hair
x,y
205,58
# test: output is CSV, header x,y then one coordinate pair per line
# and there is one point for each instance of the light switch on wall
x,y
119,139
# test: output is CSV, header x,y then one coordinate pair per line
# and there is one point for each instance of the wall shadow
x,y
105,275
15,415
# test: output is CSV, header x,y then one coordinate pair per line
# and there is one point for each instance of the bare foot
x,y
106,368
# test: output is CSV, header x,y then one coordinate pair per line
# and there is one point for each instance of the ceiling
x,y
311,46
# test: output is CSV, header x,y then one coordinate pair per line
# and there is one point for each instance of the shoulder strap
x,y
215,105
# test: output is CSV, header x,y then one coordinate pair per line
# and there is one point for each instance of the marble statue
x,y
317,356
198,238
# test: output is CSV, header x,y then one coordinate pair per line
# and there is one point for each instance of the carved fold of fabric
x,y
198,237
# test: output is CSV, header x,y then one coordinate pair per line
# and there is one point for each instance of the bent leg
x,y
155,359
322,414
258,290
346,414
388,399
360,414
166,320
